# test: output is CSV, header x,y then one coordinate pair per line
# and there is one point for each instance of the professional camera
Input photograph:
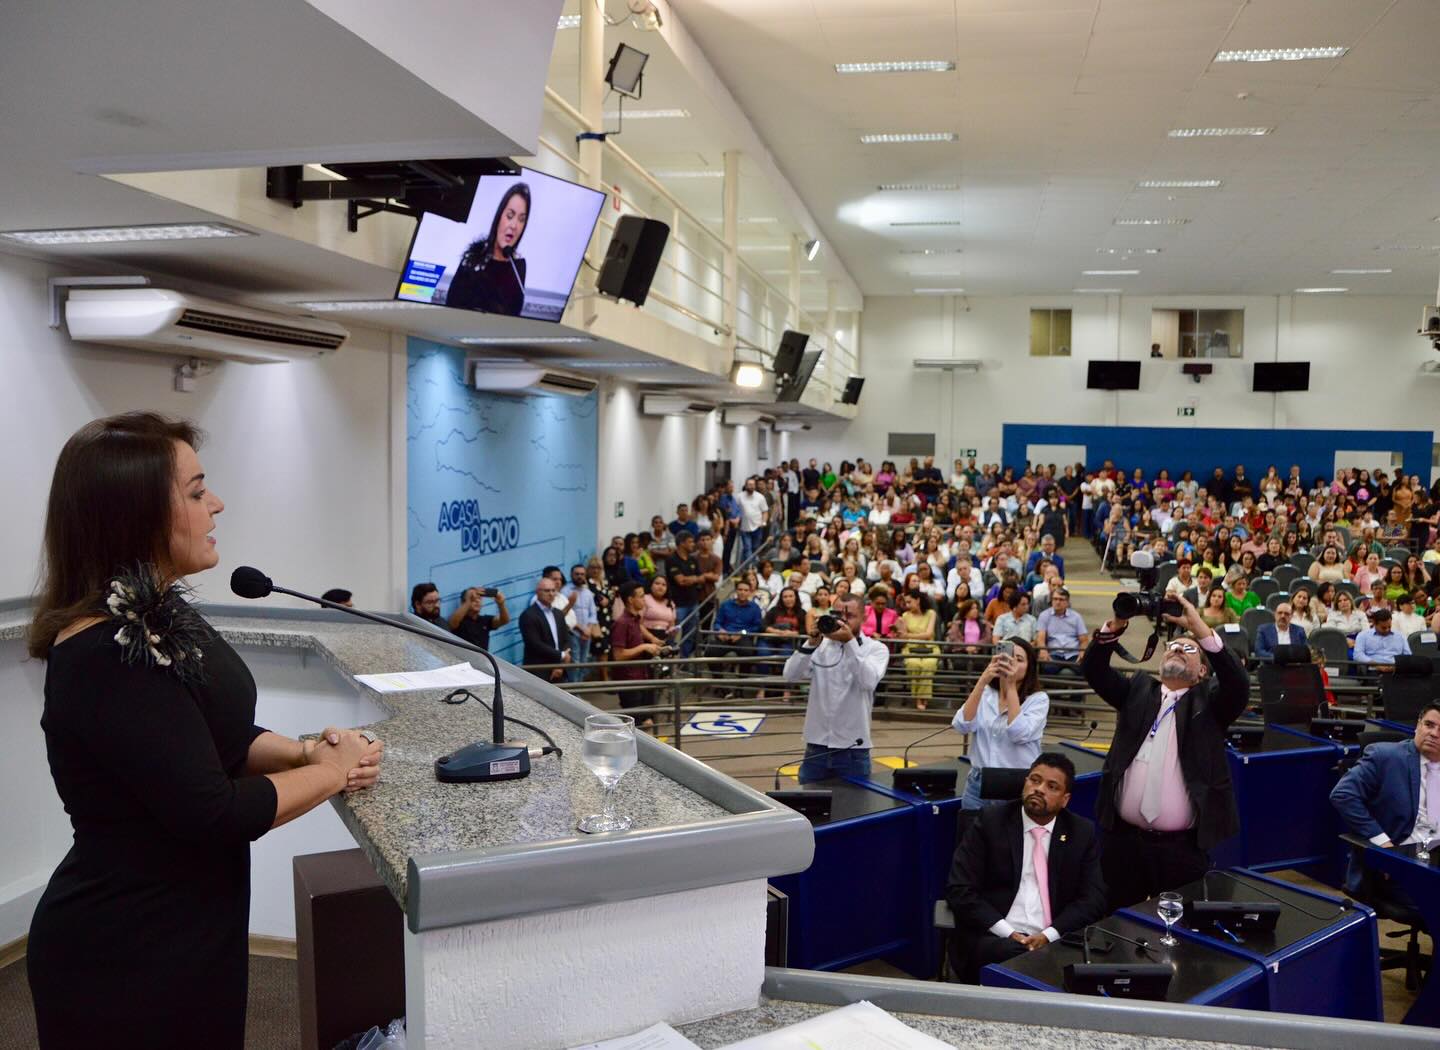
x,y
828,624
1149,601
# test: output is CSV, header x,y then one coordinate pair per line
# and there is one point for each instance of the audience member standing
x,y
543,630
1165,795
685,581
754,515
475,627
1005,715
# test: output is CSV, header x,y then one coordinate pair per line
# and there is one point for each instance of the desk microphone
x,y
905,755
1205,888
474,763
829,751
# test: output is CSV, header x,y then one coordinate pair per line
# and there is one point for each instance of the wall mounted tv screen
x,y
517,253
1113,375
1277,376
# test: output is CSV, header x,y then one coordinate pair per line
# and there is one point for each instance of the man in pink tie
x,y
1025,874
1165,795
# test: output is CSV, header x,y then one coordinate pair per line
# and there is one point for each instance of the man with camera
x,y
468,622
843,668
1165,795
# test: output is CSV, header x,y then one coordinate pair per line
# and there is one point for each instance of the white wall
x,y
1364,374
299,452
652,463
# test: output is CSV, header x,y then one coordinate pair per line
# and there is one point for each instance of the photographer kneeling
x,y
843,668
1165,796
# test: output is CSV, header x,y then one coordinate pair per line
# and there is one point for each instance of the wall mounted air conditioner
x,y
744,417
188,326
522,378
673,405
791,426
948,364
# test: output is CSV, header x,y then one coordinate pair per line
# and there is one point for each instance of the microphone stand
x,y
475,763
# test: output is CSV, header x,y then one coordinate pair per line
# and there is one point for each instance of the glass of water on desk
x,y
608,751
1169,907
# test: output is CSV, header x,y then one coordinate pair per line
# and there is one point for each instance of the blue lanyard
x,y
1155,728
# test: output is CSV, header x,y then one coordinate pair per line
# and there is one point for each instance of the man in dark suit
x,y
547,639
1165,794
1392,795
1025,874
1281,632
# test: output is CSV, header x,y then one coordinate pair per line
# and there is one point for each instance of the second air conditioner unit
x,y
522,378
673,405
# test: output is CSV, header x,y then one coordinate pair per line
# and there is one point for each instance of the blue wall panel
x,y
499,487
1202,449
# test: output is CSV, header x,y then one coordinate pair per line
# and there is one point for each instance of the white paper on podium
x,y
657,1037
860,1026
453,677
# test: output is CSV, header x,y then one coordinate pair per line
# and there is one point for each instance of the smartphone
x,y
1005,649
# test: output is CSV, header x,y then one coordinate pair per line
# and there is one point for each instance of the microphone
x,y
475,763
509,252
905,755
829,751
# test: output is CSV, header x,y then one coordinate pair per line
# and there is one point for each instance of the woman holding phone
x,y
1005,715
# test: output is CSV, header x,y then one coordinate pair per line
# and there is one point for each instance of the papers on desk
x,y
456,676
657,1037
860,1026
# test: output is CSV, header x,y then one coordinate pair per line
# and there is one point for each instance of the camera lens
x,y
1126,606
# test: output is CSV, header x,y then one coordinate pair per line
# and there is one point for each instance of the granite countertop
x,y
958,1031
411,814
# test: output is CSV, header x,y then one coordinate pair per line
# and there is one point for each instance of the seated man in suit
x,y
1281,632
1025,874
542,627
1392,795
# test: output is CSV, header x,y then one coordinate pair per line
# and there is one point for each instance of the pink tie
x,y
1041,864
1432,792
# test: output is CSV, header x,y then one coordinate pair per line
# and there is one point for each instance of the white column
x,y
731,213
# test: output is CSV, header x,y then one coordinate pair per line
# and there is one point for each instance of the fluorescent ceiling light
x,y
939,291
932,251
525,340
1151,222
327,306
1360,273
887,137
748,375
759,220
177,231
1128,251
585,362
1320,291
646,114
1213,133
702,174
930,222
1098,291
917,187
921,66
1110,273
812,249
1179,184
1280,54
568,22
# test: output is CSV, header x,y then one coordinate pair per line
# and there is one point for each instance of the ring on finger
x,y
368,735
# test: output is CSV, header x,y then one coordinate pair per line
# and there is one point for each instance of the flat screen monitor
x,y
1277,376
517,253
1113,375
792,390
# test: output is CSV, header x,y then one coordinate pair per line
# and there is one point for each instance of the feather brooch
x,y
156,625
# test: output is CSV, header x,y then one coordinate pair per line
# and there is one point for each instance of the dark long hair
x,y
483,249
109,511
1030,683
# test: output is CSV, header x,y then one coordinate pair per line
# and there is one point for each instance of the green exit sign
x,y
619,508
1185,410
967,452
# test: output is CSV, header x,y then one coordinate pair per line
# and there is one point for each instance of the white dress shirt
x,y
1421,810
1027,914
842,677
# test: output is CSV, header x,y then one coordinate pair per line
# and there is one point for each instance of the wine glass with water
x,y
608,751
1169,907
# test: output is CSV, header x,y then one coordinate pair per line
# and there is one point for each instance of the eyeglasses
x,y
1182,647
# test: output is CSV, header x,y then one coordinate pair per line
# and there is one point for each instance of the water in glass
x,y
1170,908
608,750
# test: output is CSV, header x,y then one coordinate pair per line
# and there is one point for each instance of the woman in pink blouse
x,y
659,615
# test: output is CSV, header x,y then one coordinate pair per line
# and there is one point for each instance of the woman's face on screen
x,y
513,217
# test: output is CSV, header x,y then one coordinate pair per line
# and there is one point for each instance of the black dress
x,y
141,937
482,282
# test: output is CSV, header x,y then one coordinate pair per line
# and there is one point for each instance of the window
x,y
1050,333
1197,333
911,445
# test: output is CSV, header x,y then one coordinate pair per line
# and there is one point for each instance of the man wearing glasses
x,y
1165,795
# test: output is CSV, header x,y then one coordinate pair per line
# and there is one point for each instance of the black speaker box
x,y
792,349
632,258
853,386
